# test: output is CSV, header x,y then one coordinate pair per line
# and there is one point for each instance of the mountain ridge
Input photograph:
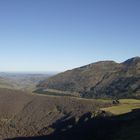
x,y
99,79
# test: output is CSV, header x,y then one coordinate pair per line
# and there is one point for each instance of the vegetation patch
x,y
125,106
51,93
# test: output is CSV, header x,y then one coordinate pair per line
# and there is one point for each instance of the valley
x,y
21,81
69,69
97,101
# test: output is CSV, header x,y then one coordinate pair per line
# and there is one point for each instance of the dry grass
x,y
23,114
125,106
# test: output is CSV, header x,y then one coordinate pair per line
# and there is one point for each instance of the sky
x,y
57,35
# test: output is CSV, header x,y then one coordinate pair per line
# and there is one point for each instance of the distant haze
x,y
56,35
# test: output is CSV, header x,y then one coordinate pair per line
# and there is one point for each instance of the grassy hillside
x,y
23,114
55,117
89,127
102,79
125,106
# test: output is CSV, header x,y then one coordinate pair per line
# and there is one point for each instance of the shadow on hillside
x,y
87,127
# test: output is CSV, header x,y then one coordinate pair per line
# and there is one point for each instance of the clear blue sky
x,y
55,35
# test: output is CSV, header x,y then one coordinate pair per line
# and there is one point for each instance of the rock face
x,y
100,79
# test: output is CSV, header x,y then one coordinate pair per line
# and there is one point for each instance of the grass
x,y
125,106
51,93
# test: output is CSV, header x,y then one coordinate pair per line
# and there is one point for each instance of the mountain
x,y
100,79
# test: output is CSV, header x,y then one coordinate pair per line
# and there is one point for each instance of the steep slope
x,y
23,114
101,79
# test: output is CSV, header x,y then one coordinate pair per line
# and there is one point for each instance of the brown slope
x,y
12,102
6,83
23,114
98,78
77,79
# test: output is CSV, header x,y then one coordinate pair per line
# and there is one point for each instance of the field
x,y
125,106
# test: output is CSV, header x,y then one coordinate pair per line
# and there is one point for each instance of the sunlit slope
x,y
102,79
125,106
